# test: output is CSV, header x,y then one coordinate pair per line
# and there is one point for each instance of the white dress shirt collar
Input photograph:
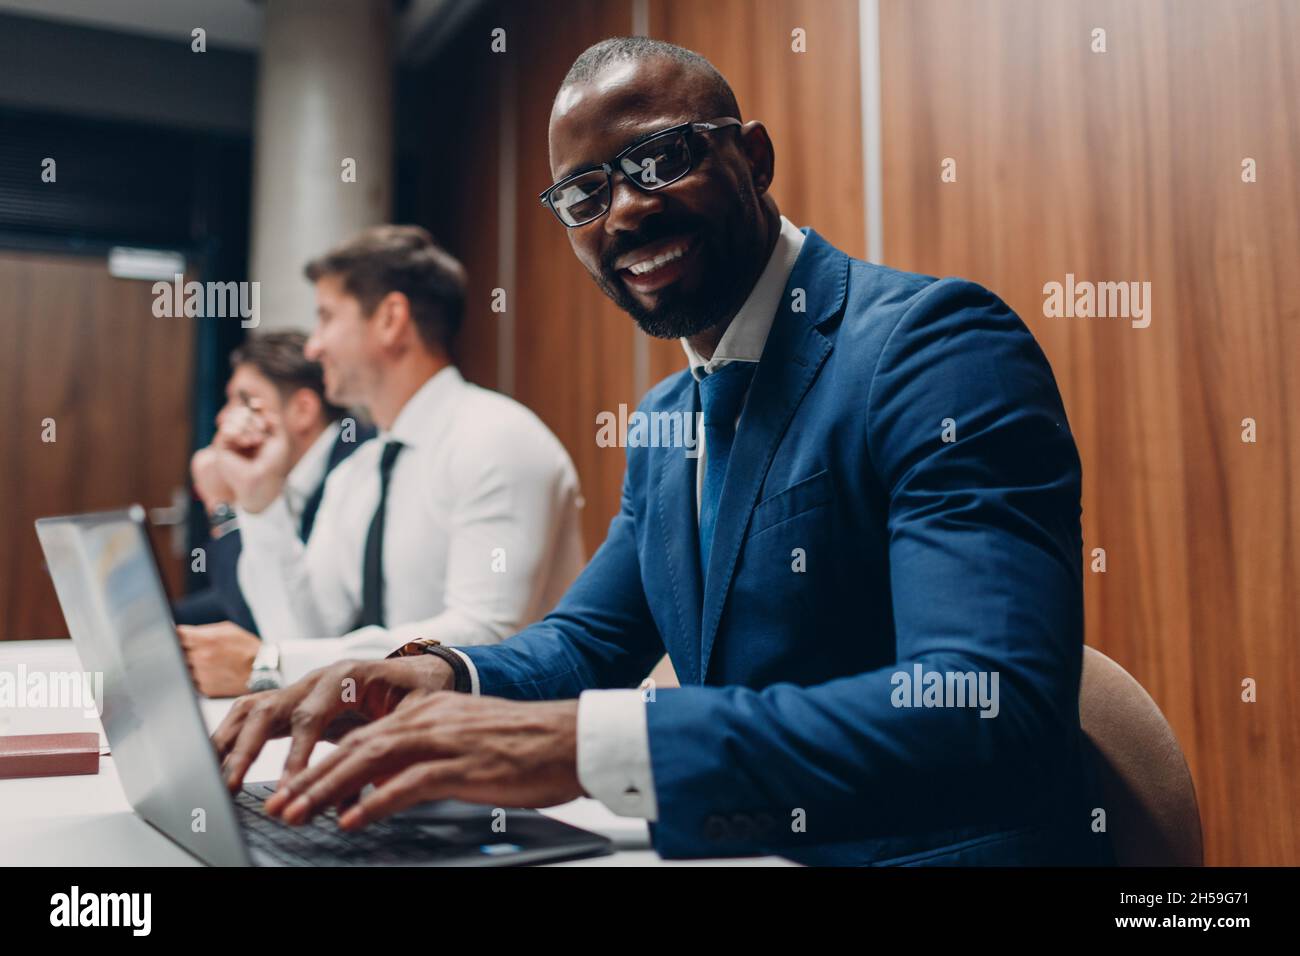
x,y
745,337
305,477
423,408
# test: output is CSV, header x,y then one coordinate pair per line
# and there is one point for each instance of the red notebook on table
x,y
48,755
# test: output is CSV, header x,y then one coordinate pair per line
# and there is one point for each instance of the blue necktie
x,y
721,395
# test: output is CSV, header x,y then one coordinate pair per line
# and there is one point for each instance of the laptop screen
x,y
113,600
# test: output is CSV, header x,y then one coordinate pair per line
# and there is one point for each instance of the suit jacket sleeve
x,y
601,633
223,568
985,575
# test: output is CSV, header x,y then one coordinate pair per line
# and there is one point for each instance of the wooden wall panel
x,y
85,350
1126,166
810,102
573,347
458,194
570,354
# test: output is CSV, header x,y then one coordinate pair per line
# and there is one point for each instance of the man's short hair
x,y
719,100
404,259
279,357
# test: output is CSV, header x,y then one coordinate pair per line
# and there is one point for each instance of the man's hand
x,y
241,428
255,470
324,705
442,746
220,657
211,487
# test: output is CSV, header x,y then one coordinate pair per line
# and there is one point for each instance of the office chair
x,y
1145,786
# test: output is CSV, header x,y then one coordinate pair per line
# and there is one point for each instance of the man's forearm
x,y
736,769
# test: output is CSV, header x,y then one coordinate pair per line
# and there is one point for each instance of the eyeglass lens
x,y
655,163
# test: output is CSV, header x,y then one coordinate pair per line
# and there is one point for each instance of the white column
x,y
324,95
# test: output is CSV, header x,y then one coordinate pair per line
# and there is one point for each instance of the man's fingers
x,y
304,739
340,779
258,727
418,783
223,738
332,780
292,784
348,802
309,719
305,775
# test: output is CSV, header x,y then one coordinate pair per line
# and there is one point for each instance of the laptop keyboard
x,y
322,843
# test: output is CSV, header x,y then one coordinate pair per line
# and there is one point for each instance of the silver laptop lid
x,y
117,613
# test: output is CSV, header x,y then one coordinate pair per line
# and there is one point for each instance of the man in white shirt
x,y
458,522
268,373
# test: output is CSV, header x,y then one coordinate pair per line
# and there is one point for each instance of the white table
x,y
87,821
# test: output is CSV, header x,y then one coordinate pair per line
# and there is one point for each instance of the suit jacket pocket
x,y
802,496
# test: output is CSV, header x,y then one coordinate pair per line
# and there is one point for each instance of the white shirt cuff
x,y
614,752
473,671
272,529
299,657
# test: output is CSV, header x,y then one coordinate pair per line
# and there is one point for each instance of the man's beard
x,y
727,275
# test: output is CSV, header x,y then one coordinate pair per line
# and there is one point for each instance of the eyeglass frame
x,y
615,164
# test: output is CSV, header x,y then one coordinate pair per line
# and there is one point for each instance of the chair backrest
x,y
1146,789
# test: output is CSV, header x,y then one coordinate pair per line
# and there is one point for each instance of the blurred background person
x,y
269,375
459,523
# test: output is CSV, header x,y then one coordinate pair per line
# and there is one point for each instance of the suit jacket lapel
x,y
792,357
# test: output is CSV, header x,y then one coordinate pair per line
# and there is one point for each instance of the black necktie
x,y
372,569
309,509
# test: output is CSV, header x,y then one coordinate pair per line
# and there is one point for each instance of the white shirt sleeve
x,y
508,502
273,575
303,596
614,752
301,656
504,500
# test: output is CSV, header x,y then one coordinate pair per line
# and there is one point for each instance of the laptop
x,y
112,597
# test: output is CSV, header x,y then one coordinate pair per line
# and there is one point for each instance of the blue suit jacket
x,y
852,542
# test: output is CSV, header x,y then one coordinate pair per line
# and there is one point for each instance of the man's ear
x,y
303,410
756,144
392,319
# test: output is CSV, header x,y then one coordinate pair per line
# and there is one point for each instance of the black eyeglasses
x,y
650,163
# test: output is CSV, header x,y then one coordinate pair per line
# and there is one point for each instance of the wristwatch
x,y
221,520
266,669
427,645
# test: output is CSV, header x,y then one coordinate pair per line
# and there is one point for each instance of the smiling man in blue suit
x,y
868,578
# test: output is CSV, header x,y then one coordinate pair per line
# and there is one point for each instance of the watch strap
x,y
427,645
